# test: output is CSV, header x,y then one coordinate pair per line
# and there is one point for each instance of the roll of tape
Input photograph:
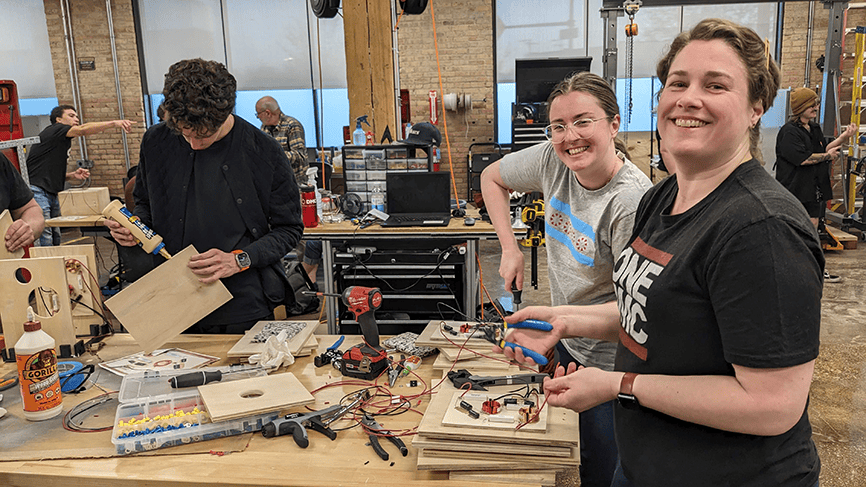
x,y
67,369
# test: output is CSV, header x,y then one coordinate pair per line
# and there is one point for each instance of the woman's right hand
x,y
511,269
539,341
120,234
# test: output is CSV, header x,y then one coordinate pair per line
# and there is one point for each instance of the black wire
x,y
439,263
84,407
78,301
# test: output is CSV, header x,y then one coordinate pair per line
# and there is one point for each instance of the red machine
x,y
10,118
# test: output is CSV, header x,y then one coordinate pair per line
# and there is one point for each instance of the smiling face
x,y
704,109
578,153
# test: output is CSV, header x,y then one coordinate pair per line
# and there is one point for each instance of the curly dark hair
x,y
57,112
198,94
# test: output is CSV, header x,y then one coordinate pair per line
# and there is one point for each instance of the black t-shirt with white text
x,y
736,279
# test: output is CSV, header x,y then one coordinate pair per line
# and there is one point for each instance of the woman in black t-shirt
x,y
718,294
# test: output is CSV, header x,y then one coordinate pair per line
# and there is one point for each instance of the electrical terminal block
x,y
491,406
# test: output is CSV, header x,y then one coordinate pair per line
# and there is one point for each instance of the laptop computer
x,y
418,199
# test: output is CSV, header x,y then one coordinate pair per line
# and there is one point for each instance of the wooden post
x,y
370,64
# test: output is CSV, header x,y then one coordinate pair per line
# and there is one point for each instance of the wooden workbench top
x,y
249,459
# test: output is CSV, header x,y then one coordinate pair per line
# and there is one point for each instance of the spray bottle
x,y
311,181
38,380
358,136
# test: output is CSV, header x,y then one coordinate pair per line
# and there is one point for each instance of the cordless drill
x,y
366,360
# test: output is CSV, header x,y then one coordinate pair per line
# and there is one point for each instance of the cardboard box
x,y
83,202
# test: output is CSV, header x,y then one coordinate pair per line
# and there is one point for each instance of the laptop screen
x,y
418,192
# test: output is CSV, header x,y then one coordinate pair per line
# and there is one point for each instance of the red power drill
x,y
366,360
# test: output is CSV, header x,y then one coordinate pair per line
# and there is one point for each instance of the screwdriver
x,y
516,296
202,377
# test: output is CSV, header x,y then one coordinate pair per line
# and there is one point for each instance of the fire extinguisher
x,y
308,206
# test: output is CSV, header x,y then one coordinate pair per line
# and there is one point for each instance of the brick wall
x,y
91,38
464,29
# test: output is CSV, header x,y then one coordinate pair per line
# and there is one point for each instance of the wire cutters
x,y
375,430
495,334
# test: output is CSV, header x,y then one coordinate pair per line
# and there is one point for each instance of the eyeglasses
x,y
584,128
259,114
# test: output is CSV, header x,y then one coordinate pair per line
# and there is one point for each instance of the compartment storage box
x,y
375,176
356,175
181,418
375,159
356,186
417,164
396,152
397,165
374,185
354,164
353,152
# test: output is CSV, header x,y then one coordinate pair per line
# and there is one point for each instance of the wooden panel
x,y
562,424
256,395
5,223
549,462
522,477
358,67
426,461
87,201
88,287
422,441
47,273
484,365
382,69
458,418
166,301
245,346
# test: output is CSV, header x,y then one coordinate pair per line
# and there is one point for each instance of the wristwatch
x,y
625,397
243,259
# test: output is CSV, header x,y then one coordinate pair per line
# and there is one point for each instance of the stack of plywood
x,y
464,351
480,449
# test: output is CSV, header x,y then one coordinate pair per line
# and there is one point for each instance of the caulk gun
x,y
146,238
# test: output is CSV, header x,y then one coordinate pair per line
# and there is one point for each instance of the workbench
x,y
43,453
329,233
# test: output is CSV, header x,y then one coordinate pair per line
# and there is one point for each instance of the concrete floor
x,y
837,406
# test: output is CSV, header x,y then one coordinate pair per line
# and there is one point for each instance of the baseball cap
x,y
423,134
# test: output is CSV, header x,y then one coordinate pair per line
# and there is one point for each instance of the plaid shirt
x,y
290,134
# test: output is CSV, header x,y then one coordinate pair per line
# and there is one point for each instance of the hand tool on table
x,y
8,381
495,334
147,238
330,355
366,360
480,383
297,423
375,430
396,369
202,377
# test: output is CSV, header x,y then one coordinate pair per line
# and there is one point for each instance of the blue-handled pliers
x,y
495,333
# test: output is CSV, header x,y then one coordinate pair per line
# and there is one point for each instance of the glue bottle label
x,y
39,381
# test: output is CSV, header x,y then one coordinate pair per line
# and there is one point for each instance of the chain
x,y
629,72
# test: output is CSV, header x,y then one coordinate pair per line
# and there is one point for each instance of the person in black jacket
x,y
803,157
210,179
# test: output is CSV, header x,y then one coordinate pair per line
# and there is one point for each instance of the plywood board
x,y
87,286
522,477
456,417
562,428
428,462
5,223
246,347
456,355
573,460
83,201
166,301
477,364
256,395
432,336
423,441
47,273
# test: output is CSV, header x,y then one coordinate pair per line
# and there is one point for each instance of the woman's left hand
x,y
850,130
581,388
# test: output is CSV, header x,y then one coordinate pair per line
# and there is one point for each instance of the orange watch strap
x,y
627,383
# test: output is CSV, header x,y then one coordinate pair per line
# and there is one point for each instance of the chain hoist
x,y
631,7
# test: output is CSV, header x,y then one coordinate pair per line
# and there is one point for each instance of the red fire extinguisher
x,y
308,206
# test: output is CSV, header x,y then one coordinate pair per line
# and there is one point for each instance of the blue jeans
x,y
50,209
620,480
313,252
598,452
